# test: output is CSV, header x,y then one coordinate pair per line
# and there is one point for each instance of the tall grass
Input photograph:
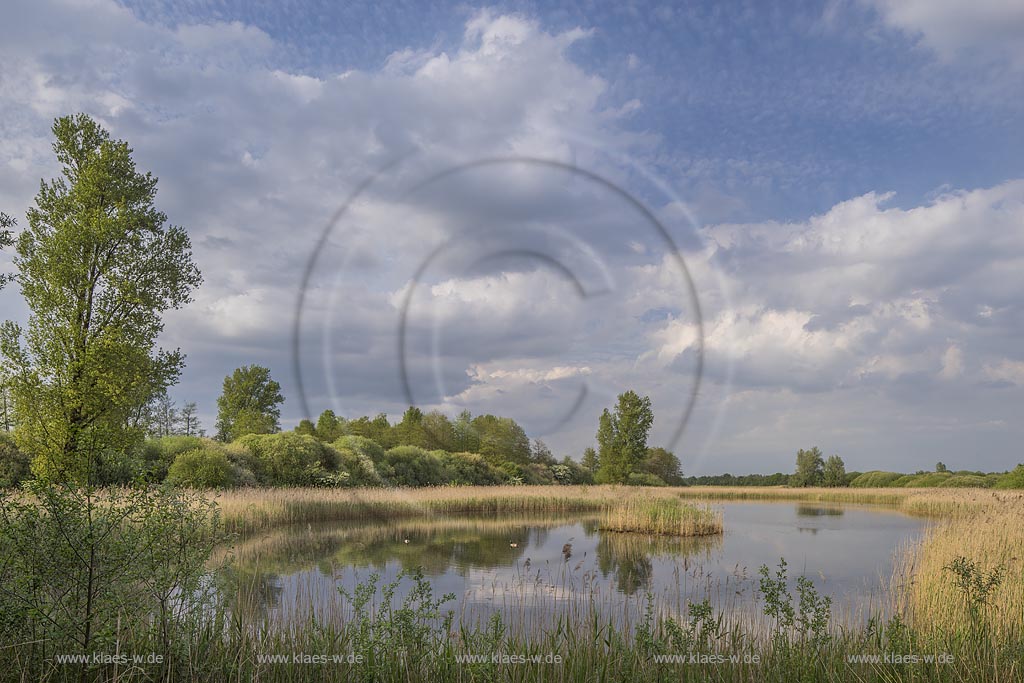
x,y
256,509
663,516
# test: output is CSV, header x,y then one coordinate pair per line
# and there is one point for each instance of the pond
x,y
527,566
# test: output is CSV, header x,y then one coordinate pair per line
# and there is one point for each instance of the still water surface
x,y
533,564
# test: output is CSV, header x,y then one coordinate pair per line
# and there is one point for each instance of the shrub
x,y
362,470
1012,480
645,479
929,480
158,454
14,465
80,570
362,445
290,459
470,469
206,467
964,481
875,479
412,466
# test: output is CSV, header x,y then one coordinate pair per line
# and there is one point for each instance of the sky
x,y
789,224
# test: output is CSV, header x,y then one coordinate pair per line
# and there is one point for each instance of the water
x,y
527,566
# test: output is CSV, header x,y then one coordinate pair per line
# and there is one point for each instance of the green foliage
x,y
809,468
328,427
158,454
1012,480
589,461
777,479
965,481
501,439
361,469
14,464
875,479
305,427
622,437
250,403
664,465
363,445
97,266
80,571
941,467
378,430
834,473
205,467
383,629
470,469
645,479
290,459
412,466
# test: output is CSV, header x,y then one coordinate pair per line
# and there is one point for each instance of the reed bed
x,y
662,516
249,510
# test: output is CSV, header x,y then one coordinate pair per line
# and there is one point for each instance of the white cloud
x,y
992,27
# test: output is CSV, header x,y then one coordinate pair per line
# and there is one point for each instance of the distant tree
x,y
809,468
502,439
189,419
305,427
250,403
379,430
940,467
409,431
98,266
438,431
540,453
834,473
664,465
6,240
466,438
589,461
328,427
622,437
164,418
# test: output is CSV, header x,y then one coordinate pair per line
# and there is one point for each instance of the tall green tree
x,y
250,403
98,266
589,461
329,427
834,472
622,437
465,437
6,240
809,468
502,439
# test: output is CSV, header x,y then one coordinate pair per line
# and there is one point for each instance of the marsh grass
x,y
250,510
662,516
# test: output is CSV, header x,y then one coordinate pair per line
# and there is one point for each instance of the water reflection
x,y
526,564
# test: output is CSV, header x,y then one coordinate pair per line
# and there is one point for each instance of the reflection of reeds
x,y
666,516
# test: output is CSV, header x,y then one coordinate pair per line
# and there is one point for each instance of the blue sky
x,y
843,180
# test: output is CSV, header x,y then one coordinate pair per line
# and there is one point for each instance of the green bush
x,y
362,470
964,481
290,459
645,479
15,466
1012,480
206,467
362,445
412,466
929,480
470,469
876,479
158,454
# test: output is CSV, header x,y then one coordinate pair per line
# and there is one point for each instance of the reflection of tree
x,y
436,545
629,555
254,593
818,511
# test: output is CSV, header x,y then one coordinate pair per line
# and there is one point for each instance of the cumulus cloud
x,y
994,28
